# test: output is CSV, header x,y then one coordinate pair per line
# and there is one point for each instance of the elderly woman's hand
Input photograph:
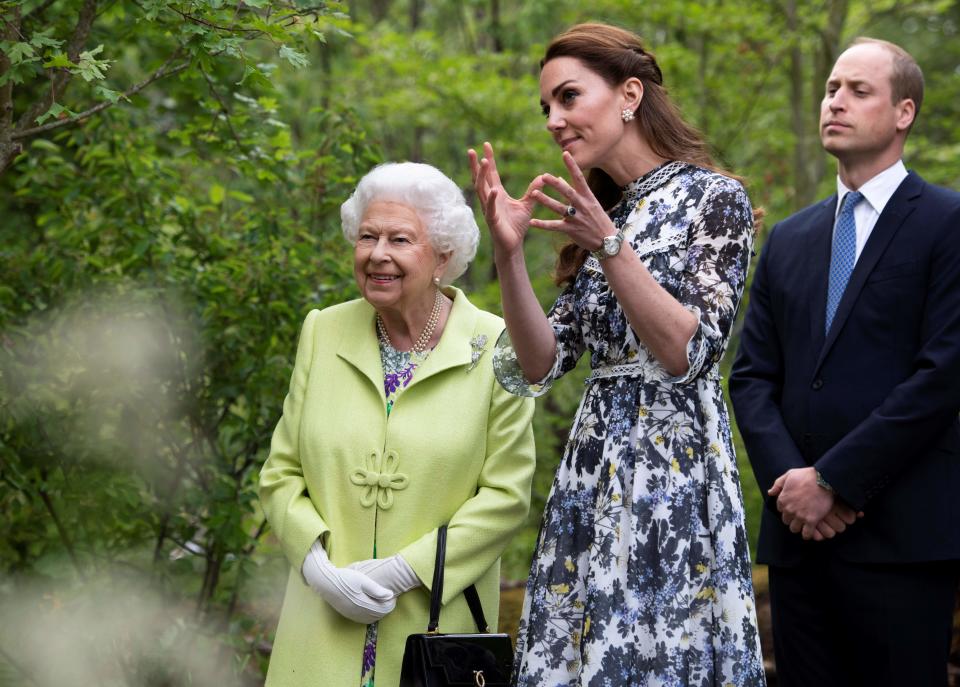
x,y
351,593
392,572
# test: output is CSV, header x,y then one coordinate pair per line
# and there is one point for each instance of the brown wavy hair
x,y
617,55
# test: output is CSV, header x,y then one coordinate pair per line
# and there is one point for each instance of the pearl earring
x,y
627,115
436,280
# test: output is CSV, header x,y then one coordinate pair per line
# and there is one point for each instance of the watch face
x,y
611,245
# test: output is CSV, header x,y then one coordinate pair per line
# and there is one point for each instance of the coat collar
x,y
358,341
898,208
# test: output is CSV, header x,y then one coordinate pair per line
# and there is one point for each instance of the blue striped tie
x,y
843,254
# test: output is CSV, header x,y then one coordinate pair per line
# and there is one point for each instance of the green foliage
x,y
170,177
157,264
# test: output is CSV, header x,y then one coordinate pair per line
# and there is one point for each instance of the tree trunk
x,y
8,148
799,119
825,57
416,147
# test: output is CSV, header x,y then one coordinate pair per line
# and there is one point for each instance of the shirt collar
x,y
878,190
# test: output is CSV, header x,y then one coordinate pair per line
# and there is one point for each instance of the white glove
x,y
394,573
351,593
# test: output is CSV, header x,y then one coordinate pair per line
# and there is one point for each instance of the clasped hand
x,y
807,508
353,594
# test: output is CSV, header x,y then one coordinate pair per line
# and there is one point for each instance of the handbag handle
x,y
436,590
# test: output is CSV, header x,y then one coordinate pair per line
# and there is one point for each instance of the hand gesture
x,y
583,219
507,217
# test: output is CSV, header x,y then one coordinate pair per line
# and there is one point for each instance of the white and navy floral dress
x,y
642,570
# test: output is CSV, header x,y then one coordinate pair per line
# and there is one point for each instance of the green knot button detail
x,y
379,480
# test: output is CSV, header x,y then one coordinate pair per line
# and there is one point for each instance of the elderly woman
x,y
642,571
394,425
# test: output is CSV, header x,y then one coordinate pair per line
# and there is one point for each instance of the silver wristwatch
x,y
611,246
821,482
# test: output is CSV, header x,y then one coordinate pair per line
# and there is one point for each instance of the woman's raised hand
x,y
508,218
582,218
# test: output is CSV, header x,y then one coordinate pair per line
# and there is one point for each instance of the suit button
x,y
817,384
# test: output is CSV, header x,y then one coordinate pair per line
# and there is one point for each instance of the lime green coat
x,y
336,469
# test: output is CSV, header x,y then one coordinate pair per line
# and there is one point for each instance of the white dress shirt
x,y
876,193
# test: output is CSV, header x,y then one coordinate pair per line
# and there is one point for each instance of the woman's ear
x,y
632,91
443,259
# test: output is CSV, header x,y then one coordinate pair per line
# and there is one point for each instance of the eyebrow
x,y
556,90
852,82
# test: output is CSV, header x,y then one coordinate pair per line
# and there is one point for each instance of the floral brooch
x,y
477,347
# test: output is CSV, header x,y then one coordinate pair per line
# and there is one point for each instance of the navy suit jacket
x,y
873,403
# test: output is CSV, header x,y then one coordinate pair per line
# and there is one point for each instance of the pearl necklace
x,y
420,345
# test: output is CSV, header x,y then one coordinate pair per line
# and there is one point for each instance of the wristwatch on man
x,y
611,246
821,482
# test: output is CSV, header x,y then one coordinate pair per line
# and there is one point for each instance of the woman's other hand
x,y
351,593
589,223
392,572
507,217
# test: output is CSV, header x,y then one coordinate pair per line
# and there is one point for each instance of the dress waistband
x,y
637,370
625,370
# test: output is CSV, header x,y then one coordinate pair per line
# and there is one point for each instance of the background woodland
x,y
170,179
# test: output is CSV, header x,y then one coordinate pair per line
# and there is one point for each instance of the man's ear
x,y
906,113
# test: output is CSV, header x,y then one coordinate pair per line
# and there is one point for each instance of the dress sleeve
x,y
715,271
569,348
283,490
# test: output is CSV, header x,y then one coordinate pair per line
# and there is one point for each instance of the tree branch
x,y
64,537
61,77
8,148
161,72
224,110
211,25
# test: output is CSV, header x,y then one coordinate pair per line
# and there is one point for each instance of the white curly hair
x,y
448,219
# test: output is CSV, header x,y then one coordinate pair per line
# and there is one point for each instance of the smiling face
x,y
859,121
583,110
393,261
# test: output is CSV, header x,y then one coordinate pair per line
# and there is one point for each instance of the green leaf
x,y
43,39
217,194
89,67
242,197
111,95
294,57
19,52
59,59
56,110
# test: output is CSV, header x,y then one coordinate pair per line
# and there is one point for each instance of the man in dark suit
x,y
846,389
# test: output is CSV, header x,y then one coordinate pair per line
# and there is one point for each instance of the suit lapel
x,y
898,208
818,267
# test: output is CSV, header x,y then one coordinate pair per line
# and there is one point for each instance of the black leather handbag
x,y
433,659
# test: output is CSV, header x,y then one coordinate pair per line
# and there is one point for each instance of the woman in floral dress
x,y
642,573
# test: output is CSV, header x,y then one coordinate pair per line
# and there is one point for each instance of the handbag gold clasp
x,y
478,677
